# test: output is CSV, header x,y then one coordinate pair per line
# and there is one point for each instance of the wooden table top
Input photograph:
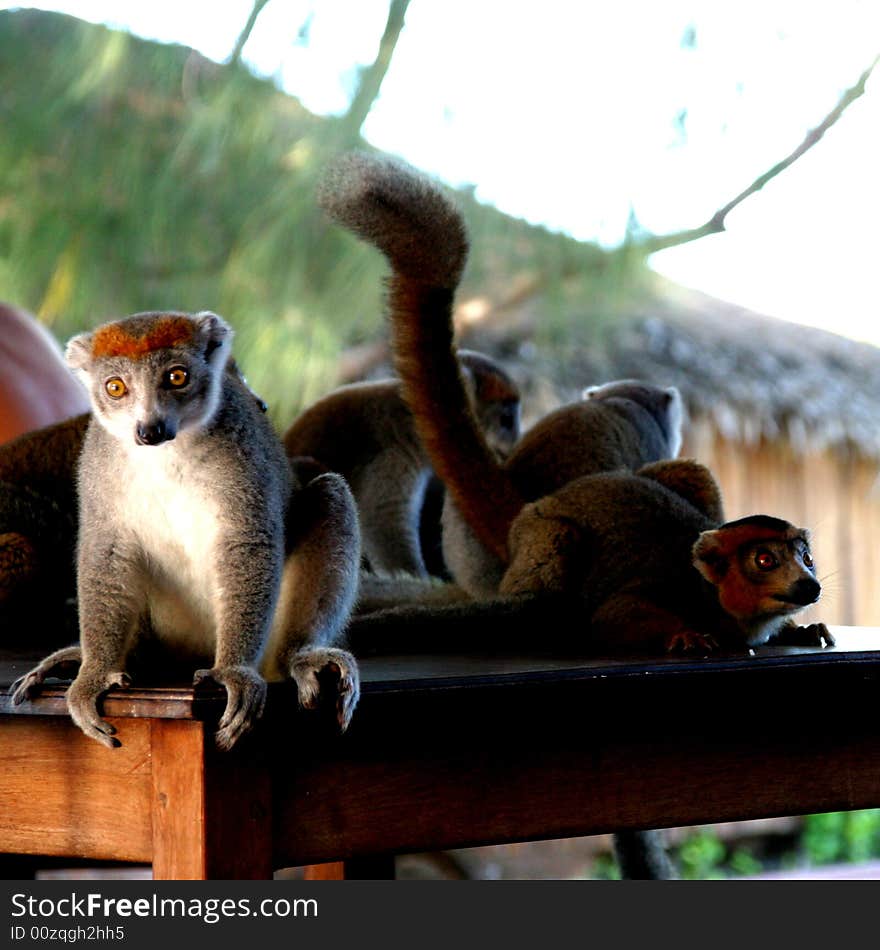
x,y
857,651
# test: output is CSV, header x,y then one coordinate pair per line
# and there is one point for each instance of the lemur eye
x,y
807,559
115,387
176,377
765,560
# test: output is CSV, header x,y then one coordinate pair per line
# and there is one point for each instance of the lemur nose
x,y
806,590
151,433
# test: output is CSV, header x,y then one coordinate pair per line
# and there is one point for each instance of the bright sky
x,y
564,113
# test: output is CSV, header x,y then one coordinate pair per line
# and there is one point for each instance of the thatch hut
x,y
788,417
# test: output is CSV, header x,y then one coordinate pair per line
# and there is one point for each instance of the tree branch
x,y
245,34
716,224
372,77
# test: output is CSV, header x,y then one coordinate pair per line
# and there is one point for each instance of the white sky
x,y
562,112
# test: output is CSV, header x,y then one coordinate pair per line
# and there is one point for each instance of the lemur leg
x,y
628,622
247,575
112,600
389,501
546,554
59,664
318,592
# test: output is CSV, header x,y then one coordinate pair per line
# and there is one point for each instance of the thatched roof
x,y
750,376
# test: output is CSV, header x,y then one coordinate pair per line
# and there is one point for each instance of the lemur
x,y
193,533
365,432
631,563
572,478
640,551
38,525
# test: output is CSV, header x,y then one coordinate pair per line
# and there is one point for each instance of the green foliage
x,y
841,837
139,176
700,857
604,868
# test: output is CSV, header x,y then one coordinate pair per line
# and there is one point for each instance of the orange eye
x,y
765,561
807,559
176,377
115,387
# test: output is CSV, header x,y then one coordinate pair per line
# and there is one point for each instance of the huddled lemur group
x,y
200,537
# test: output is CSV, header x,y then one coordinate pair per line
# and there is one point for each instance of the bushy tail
x,y
421,232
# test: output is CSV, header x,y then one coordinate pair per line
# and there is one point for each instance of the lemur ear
x,y
79,351
710,557
214,333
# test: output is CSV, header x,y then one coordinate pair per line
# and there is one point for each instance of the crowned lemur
x,y
193,532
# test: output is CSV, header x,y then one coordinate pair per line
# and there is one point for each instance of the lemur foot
x,y
690,642
57,664
310,667
811,635
82,702
245,700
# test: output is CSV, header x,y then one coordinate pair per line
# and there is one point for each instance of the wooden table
x,y
445,751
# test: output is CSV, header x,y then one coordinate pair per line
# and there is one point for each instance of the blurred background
x,y
650,191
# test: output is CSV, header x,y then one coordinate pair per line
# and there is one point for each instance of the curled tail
x,y
421,232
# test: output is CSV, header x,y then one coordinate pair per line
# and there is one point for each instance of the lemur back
x,y
366,432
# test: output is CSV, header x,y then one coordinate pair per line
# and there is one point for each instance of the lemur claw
x,y
811,635
245,700
309,668
82,703
690,642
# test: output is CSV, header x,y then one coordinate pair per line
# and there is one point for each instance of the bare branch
x,y
372,76
245,34
716,223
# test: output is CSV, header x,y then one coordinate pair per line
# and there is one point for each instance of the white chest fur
x,y
176,524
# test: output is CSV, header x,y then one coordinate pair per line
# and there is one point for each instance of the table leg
x,y
212,810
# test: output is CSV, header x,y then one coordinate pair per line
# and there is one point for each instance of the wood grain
x,y
64,794
212,811
450,751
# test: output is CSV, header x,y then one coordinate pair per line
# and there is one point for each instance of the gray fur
x,y
387,201
366,432
620,425
200,539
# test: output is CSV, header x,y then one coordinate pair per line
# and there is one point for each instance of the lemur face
x,y
153,375
761,567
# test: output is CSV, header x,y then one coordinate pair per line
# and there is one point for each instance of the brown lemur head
x,y
661,403
762,570
495,399
152,376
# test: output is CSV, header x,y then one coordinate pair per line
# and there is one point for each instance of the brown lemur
x,y
38,515
193,535
634,559
365,432
624,424
573,509
38,526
